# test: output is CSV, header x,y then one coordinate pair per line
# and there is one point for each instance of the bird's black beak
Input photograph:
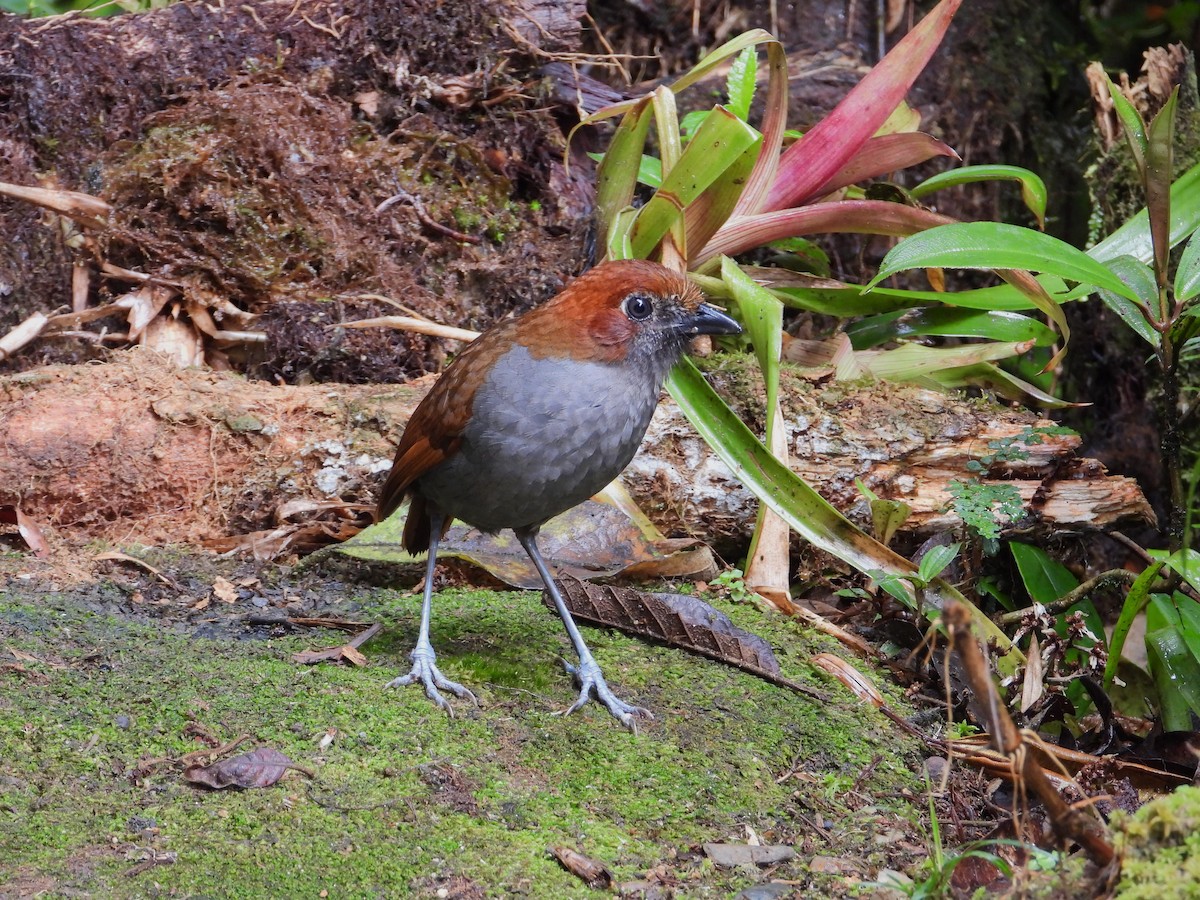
x,y
710,320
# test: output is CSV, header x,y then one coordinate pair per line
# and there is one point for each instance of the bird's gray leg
x,y
423,657
587,673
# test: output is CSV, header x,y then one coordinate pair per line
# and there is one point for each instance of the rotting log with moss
x,y
138,450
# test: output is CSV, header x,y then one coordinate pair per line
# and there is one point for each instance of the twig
x,y
419,209
1068,821
411,323
1111,578
1183,587
23,334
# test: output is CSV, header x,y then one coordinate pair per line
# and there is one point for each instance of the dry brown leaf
x,y
731,856
895,15
118,556
678,620
224,590
1032,687
592,873
348,652
592,540
26,527
674,618
257,769
858,683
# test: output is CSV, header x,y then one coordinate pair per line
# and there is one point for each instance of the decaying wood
x,y
144,137
136,450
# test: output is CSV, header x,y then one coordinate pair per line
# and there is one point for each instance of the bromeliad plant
x,y
729,188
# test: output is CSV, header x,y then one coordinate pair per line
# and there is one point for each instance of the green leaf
x,y
836,298
741,82
1033,189
1187,276
1044,577
992,377
712,208
995,245
982,506
1185,563
914,362
809,514
773,126
691,121
1160,164
948,322
1140,279
1173,665
649,169
1133,238
718,143
935,561
617,244
616,177
1132,124
762,315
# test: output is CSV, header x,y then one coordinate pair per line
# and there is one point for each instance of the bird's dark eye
x,y
638,307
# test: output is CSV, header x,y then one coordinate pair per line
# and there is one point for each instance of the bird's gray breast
x,y
544,435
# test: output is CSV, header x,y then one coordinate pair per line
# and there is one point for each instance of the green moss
x,y
406,798
1160,845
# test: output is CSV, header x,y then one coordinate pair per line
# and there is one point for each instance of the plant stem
x,y
1169,441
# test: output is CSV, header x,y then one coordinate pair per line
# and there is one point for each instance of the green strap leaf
x,y
1033,189
1045,578
616,177
1131,123
949,322
717,145
1160,164
995,245
1135,602
806,511
1133,238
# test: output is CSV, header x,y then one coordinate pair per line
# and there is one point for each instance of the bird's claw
x,y
591,683
431,677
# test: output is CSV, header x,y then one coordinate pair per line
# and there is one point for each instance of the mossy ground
x,y
407,802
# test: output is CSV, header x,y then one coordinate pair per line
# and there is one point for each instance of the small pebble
x,y
123,721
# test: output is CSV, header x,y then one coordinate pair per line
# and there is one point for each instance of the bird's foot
x,y
591,683
429,675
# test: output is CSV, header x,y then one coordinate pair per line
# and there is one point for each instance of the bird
x,y
532,418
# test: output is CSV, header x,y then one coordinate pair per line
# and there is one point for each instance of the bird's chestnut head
x,y
632,312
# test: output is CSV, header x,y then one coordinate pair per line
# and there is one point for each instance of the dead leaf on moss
x,y
592,873
347,652
731,856
858,683
674,618
259,768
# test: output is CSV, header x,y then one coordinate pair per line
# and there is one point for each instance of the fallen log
x,y
136,450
